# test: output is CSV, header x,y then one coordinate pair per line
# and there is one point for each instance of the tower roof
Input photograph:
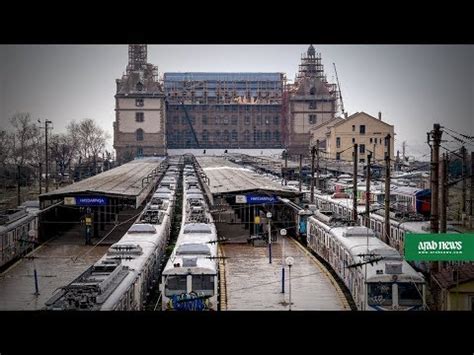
x,y
311,51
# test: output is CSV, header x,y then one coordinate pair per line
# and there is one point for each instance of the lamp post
x,y
289,262
283,233
269,216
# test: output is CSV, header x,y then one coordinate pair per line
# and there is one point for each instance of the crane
x,y
190,124
339,88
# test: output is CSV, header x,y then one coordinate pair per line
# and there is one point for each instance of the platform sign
x,y
91,201
260,199
240,199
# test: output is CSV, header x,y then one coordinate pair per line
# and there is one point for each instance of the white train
x,y
376,275
190,278
123,278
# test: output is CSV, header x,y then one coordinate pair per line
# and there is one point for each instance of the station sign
x,y
260,199
86,201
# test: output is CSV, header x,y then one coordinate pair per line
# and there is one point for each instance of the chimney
x,y
380,116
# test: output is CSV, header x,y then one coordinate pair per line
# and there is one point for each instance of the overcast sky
x,y
413,86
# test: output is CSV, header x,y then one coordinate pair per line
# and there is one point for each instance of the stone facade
x,y
140,114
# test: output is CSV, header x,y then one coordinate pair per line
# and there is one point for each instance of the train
x,y
18,232
376,275
190,277
125,276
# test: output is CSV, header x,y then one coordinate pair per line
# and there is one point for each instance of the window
x,y
362,160
203,283
312,119
409,294
217,136
139,134
267,120
247,120
362,129
139,116
234,135
139,86
386,141
226,135
139,151
370,140
353,128
362,149
353,140
268,136
338,156
312,91
246,135
338,142
276,120
226,120
175,285
205,135
204,120
312,105
276,136
259,120
259,135
379,294
139,102
234,120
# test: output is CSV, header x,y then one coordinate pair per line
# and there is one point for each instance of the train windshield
x,y
379,294
204,284
410,294
175,285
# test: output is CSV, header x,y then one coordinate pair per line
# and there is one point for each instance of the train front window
x,y
175,285
203,283
379,294
410,294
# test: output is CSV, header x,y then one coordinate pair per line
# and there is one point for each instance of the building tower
x,y
140,115
312,101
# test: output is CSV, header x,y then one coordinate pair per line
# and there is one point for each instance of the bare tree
x,y
89,139
6,145
23,141
63,151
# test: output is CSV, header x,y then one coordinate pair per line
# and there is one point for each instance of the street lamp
x,y
269,216
289,262
283,233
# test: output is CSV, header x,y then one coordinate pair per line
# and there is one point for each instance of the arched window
x,y
312,91
139,134
234,135
139,86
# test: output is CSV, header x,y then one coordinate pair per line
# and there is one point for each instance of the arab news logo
x,y
433,247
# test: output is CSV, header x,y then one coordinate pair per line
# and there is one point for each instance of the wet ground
x,y
255,284
57,263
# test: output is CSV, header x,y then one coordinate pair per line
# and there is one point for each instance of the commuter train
x,y
18,232
123,278
190,277
376,275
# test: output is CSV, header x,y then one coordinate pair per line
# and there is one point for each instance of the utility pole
x,y
317,164
313,153
464,169
443,195
46,122
367,193
354,187
472,184
436,134
301,171
386,234
40,173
